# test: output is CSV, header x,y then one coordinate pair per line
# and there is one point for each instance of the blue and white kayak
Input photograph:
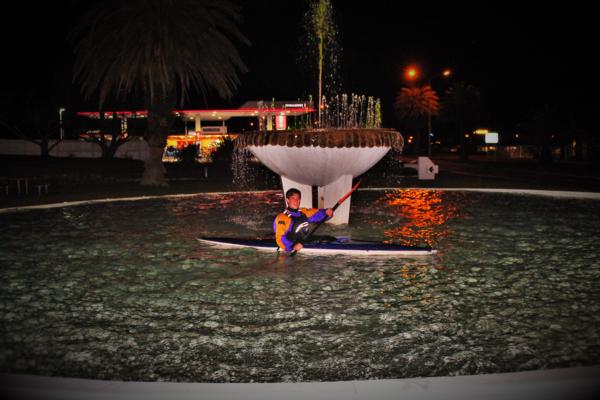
x,y
339,245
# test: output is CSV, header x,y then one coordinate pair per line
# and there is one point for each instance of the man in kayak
x,y
292,226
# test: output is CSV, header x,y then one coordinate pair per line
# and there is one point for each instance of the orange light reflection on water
x,y
424,216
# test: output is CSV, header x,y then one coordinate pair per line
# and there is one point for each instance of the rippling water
x,y
122,290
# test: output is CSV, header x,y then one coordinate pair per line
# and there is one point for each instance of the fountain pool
x,y
122,290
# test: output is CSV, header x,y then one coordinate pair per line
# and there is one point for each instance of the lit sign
x,y
491,137
214,129
295,105
281,123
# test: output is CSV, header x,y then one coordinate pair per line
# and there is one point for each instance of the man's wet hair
x,y
292,192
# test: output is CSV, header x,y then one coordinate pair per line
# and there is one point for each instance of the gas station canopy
x,y
248,109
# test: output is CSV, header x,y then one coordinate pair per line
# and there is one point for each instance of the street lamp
x,y
446,73
413,74
429,133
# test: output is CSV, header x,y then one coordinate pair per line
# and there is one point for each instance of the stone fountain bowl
x,y
318,157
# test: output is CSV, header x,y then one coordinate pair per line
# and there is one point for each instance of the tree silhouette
x,y
462,105
543,126
159,50
31,117
415,106
108,133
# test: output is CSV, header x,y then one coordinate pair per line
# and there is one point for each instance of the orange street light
x,y
411,73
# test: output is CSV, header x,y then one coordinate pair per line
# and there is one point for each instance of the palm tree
x,y
160,50
417,104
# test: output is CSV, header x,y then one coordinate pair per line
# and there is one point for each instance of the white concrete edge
x,y
115,199
563,383
533,192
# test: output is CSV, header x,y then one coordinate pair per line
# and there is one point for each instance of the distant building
x,y
209,126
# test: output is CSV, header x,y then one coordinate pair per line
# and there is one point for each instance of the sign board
x,y
214,129
294,105
281,122
491,137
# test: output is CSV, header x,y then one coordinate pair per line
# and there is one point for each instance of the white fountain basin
x,y
330,169
318,166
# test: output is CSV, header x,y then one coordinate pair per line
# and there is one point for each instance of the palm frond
x,y
417,102
159,47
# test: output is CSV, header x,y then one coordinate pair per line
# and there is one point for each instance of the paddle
x,y
340,201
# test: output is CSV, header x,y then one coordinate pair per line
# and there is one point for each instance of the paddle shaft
x,y
340,201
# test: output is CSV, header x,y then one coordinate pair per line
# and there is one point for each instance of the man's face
x,y
294,201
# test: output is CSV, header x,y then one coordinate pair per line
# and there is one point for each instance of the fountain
x,y
328,159
346,141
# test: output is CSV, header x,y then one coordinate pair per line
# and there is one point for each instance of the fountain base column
x,y
329,196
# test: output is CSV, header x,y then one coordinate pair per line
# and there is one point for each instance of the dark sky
x,y
520,58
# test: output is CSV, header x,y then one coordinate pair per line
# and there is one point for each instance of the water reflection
x,y
424,214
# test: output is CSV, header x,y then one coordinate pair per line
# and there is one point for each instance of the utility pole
x,y
60,123
429,134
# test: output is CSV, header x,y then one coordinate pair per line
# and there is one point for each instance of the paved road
x,y
513,174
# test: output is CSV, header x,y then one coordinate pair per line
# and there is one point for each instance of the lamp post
x,y
446,73
412,74
429,133
60,122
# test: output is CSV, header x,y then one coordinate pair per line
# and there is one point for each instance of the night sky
x,y
521,59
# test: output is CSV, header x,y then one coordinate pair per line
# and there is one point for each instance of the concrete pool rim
x,y
527,192
560,383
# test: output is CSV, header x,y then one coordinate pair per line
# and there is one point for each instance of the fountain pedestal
x,y
328,159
